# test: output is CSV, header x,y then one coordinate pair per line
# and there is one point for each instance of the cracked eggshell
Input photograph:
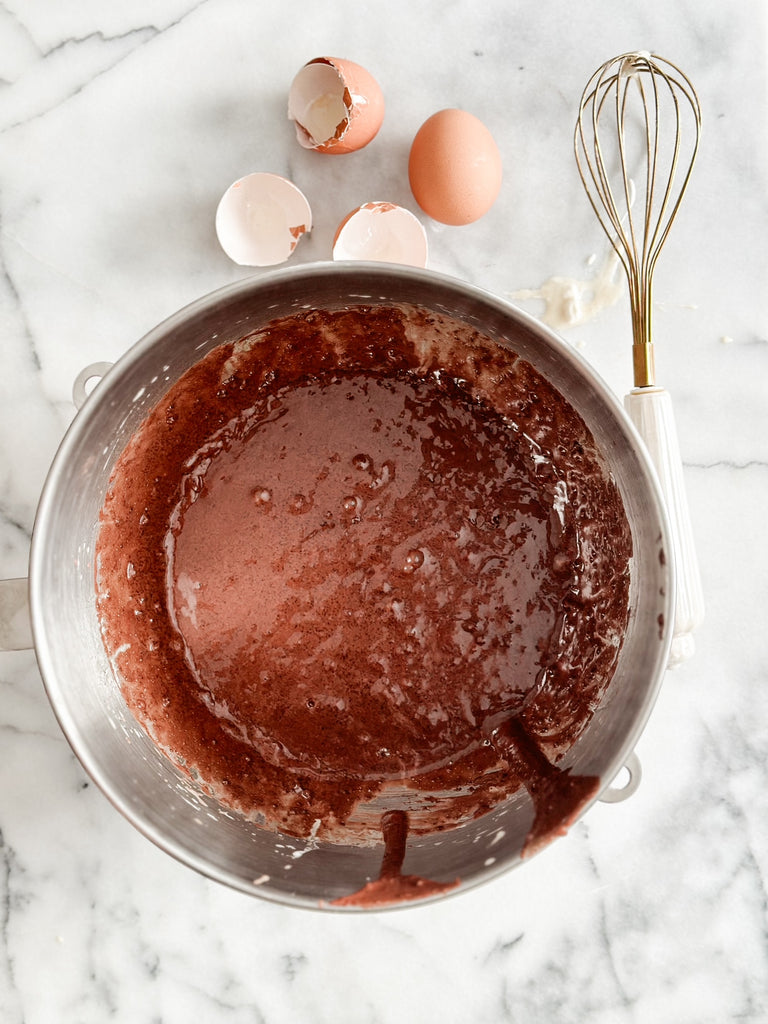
x,y
382,232
336,105
454,167
260,219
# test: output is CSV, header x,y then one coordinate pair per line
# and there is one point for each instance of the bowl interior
x,y
158,799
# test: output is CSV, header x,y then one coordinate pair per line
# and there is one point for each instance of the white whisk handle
x,y
650,409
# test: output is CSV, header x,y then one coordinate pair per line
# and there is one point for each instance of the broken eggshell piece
x,y
382,232
261,218
336,105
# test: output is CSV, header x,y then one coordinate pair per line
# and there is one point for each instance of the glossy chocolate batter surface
x,y
344,553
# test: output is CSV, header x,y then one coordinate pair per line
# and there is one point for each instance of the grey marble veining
x,y
120,127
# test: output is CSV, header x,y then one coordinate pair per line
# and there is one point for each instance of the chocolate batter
x,y
365,554
392,886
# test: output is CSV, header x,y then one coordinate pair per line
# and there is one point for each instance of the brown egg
x,y
337,105
454,167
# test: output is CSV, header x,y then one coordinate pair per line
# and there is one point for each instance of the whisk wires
x,y
636,139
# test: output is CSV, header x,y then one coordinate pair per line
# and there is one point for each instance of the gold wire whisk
x,y
637,108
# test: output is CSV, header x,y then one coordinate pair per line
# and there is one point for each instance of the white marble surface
x,y
120,126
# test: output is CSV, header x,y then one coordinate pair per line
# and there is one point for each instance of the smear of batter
x,y
392,885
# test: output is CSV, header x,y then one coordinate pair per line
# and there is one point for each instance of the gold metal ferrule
x,y
643,365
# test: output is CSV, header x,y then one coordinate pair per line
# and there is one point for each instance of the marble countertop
x,y
120,127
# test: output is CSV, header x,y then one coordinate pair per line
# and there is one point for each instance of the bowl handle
x,y
15,625
87,376
15,622
625,783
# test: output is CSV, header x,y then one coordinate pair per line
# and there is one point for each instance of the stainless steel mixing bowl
x,y
142,783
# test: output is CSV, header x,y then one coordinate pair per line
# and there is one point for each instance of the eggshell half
x,y
260,219
336,105
382,232
454,167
